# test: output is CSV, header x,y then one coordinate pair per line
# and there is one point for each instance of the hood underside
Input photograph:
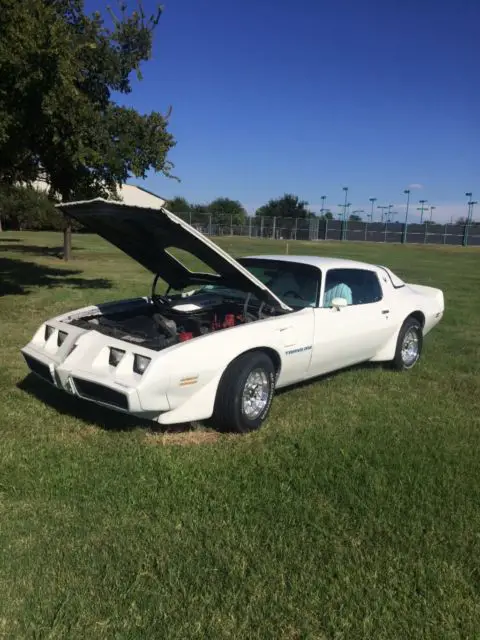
x,y
151,236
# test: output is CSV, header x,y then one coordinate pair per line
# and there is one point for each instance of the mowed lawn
x,y
353,513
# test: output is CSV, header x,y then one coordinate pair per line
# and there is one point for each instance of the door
x,y
344,336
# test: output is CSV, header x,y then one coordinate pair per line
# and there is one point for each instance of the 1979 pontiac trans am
x,y
217,344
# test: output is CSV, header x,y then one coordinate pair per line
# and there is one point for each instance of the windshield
x,y
296,284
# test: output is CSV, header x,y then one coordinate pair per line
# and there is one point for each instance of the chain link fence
x,y
316,229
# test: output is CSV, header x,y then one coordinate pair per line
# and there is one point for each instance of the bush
x,y
25,208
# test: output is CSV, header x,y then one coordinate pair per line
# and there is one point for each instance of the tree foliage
x,y
58,70
27,208
178,205
288,206
227,211
224,211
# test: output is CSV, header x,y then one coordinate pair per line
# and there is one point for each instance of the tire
x,y
234,410
409,345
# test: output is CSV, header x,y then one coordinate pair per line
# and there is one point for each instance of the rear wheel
x,y
409,345
245,393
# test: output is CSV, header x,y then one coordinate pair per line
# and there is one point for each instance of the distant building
x,y
130,194
137,196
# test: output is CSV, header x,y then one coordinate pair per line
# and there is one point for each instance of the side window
x,y
296,284
357,286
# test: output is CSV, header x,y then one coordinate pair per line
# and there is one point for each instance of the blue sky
x,y
271,96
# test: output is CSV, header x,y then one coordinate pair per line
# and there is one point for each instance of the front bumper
x,y
88,386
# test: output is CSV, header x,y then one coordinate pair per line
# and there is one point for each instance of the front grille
x,y
39,368
94,391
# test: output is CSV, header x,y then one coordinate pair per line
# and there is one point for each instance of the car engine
x,y
158,325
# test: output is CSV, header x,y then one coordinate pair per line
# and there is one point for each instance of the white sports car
x,y
218,343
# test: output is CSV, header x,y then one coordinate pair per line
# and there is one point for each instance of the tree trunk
x,y
67,242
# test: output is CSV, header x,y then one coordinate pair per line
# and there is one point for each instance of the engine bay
x,y
163,322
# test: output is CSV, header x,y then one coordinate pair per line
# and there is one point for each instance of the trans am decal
x,y
290,352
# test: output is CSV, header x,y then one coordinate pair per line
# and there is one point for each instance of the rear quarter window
x,y
361,285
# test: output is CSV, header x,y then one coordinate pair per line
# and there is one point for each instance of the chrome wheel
x,y
410,347
255,394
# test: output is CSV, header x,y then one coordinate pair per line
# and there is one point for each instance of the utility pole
x,y
405,225
422,209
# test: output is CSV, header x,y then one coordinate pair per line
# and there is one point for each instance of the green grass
x,y
353,513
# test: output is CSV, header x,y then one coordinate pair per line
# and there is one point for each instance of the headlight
x,y
48,331
61,337
140,364
115,356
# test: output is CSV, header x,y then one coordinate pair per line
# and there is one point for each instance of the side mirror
x,y
338,303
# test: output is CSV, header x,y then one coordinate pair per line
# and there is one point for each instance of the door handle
x,y
385,311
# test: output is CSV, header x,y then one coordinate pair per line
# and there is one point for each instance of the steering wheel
x,y
293,294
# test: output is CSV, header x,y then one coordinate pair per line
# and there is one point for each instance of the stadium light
x,y
422,209
470,204
323,199
405,226
382,208
345,207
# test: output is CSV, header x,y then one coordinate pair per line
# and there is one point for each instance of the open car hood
x,y
151,236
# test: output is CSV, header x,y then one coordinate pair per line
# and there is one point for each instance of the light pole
x,y
405,225
372,200
390,207
323,199
422,209
345,206
471,203
432,208
469,195
382,208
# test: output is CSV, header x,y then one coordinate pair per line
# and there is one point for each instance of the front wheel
x,y
409,345
245,393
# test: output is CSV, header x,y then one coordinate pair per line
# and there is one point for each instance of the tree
x,y
27,208
328,215
288,206
354,217
226,211
199,213
59,68
178,205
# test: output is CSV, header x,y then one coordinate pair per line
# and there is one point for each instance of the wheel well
x,y
271,353
418,315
